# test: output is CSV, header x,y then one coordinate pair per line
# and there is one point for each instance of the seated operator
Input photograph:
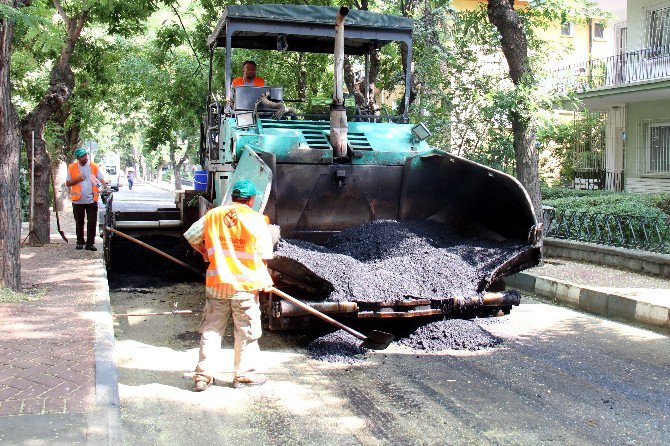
x,y
249,77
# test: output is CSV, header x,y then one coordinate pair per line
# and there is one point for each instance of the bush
x,y
606,202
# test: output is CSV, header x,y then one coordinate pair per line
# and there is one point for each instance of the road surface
x,y
560,377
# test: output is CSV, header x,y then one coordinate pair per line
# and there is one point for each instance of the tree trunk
x,y
10,147
61,83
412,84
159,171
177,165
350,82
65,152
302,78
135,162
514,44
146,174
375,66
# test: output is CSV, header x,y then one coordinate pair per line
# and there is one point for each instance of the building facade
x,y
627,97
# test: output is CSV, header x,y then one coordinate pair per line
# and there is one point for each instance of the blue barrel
x,y
200,180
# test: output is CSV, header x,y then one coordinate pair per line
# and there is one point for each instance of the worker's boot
x,y
202,381
252,379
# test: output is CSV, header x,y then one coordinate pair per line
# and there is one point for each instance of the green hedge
x,y
606,202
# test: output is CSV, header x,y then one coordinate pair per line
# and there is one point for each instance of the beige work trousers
x,y
246,314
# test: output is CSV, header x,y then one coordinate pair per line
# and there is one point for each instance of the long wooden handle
x,y
318,314
157,251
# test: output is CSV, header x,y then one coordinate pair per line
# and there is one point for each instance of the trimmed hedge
x,y
606,202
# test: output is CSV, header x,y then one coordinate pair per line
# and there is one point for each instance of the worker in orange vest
x,y
249,77
84,179
236,241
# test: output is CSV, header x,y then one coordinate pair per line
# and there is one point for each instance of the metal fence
x,y
627,231
620,69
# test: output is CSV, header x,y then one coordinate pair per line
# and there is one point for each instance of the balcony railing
x,y
621,69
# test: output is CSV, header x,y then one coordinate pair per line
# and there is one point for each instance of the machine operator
x,y
249,77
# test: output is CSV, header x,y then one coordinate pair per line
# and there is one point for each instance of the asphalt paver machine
x,y
319,174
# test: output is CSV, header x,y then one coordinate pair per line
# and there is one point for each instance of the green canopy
x,y
306,28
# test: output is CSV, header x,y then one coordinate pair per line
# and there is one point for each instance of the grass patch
x,y
9,296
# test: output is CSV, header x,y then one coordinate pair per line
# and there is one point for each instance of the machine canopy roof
x,y
306,28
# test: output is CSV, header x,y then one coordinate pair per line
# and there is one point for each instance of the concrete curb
x,y
630,259
108,416
593,300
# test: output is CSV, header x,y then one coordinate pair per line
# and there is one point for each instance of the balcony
x,y
620,73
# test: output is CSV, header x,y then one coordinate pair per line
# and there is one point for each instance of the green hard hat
x,y
80,152
244,189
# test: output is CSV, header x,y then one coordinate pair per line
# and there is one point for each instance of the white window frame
x,y
647,148
571,29
603,27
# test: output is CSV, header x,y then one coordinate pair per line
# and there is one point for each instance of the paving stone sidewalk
x,y
48,345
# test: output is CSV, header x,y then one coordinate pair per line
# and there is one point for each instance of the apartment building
x,y
628,97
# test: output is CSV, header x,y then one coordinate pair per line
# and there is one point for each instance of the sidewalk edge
x,y
593,300
106,369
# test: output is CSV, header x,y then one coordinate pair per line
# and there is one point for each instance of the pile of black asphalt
x,y
451,334
388,260
337,347
438,336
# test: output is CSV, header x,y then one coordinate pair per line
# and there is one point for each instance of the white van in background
x,y
110,163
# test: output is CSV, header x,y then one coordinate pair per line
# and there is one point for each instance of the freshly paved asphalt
x,y
560,377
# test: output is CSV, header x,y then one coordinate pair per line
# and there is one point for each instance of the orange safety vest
x,y
258,82
233,237
75,190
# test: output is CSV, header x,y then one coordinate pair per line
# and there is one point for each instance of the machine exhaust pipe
x,y
338,113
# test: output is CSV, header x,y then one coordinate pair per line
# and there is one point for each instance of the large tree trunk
x,y
173,160
64,154
146,174
350,82
159,171
501,13
177,165
302,79
412,84
61,83
10,147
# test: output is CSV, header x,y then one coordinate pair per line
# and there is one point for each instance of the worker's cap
x,y
244,189
80,152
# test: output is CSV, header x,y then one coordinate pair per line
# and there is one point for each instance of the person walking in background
x,y
84,179
236,240
131,178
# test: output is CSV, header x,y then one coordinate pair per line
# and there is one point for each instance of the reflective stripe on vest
x,y
75,190
238,254
231,236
